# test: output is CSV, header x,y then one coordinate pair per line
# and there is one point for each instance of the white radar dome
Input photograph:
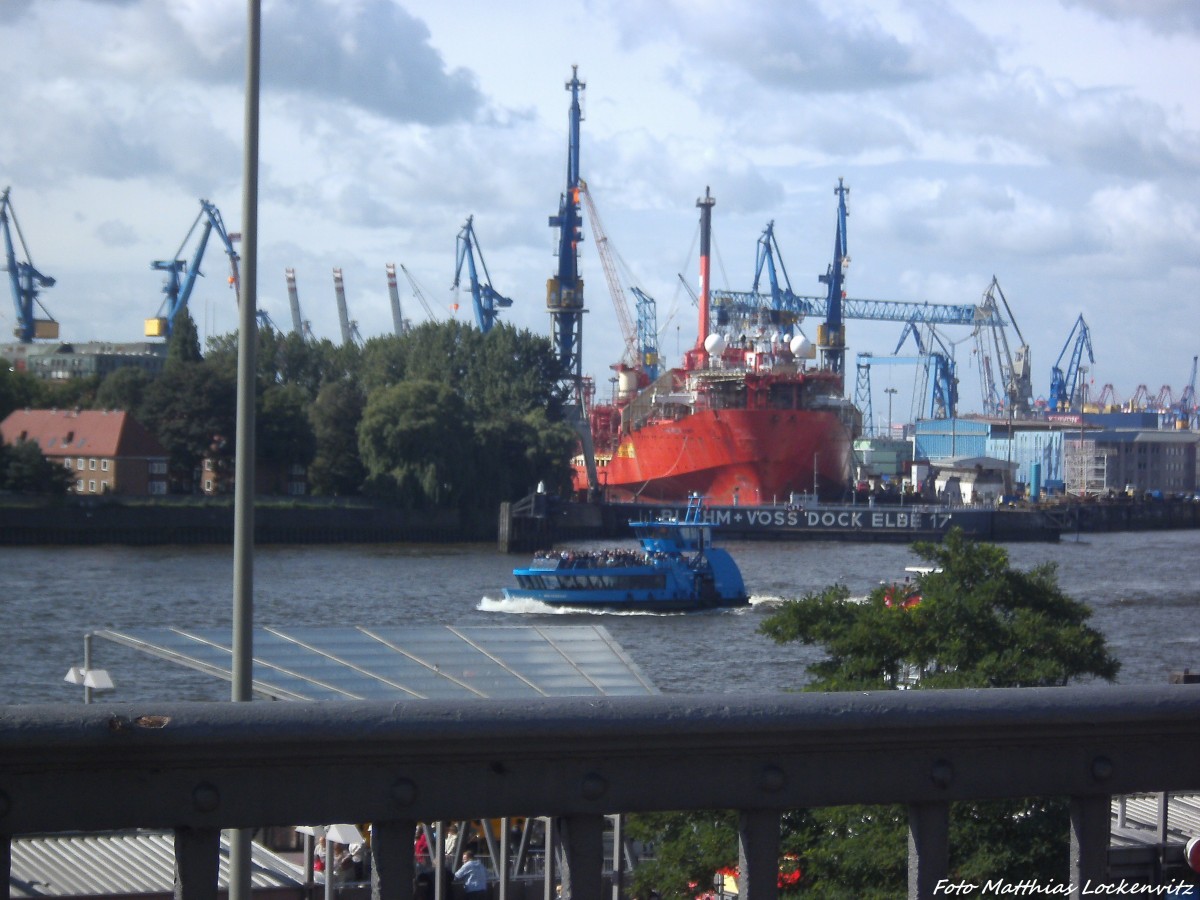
x,y
802,347
715,344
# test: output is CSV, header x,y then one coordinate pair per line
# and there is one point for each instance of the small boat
x,y
676,570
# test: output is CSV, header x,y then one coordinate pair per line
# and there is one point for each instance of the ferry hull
x,y
730,456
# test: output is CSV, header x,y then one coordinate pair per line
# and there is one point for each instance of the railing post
x,y
928,847
392,866
1089,841
550,851
758,854
197,863
582,839
6,866
438,853
618,856
504,870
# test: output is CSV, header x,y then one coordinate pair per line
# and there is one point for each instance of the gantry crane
x,y
1064,386
300,325
1187,400
1014,392
25,280
831,338
350,334
483,295
181,275
418,293
564,290
641,341
400,325
783,298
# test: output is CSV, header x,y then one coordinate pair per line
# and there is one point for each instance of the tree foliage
x,y
25,470
979,623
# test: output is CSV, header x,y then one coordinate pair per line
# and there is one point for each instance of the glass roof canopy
x,y
414,662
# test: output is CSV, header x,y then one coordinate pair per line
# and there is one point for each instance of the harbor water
x,y
1142,587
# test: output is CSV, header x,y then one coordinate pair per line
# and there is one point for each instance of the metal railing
x,y
197,768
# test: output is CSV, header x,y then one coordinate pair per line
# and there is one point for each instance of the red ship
x,y
747,419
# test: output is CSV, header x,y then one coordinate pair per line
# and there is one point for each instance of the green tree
x,y
979,623
337,470
17,390
25,470
183,346
283,432
416,444
192,409
124,389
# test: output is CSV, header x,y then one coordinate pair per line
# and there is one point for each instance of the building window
x,y
92,464
158,487
208,485
92,487
158,468
67,463
79,464
104,465
79,486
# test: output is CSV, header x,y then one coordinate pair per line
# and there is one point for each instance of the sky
x,y
1054,145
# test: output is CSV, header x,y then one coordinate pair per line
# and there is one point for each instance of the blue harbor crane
x,y
782,297
485,297
26,281
831,338
181,274
1064,387
564,290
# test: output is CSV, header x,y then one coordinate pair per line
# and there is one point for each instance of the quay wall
x,y
69,521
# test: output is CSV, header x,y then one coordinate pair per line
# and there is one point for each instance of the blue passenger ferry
x,y
677,569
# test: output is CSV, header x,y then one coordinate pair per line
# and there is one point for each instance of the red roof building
x,y
108,451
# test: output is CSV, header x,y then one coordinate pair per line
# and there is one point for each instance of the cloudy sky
x,y
1054,144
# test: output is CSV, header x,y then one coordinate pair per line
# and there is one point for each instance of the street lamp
x,y
91,679
889,391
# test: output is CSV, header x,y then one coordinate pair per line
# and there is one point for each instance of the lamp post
x,y
91,679
889,391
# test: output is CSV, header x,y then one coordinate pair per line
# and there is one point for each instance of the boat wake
x,y
766,600
528,607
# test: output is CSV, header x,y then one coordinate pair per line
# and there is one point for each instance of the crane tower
x,y
25,280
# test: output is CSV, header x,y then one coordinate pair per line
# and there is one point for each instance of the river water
x,y
1142,587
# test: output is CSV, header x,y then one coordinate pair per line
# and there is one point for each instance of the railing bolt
x,y
404,792
206,797
594,786
772,779
942,773
1102,768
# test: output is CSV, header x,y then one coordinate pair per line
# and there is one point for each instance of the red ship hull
x,y
729,456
